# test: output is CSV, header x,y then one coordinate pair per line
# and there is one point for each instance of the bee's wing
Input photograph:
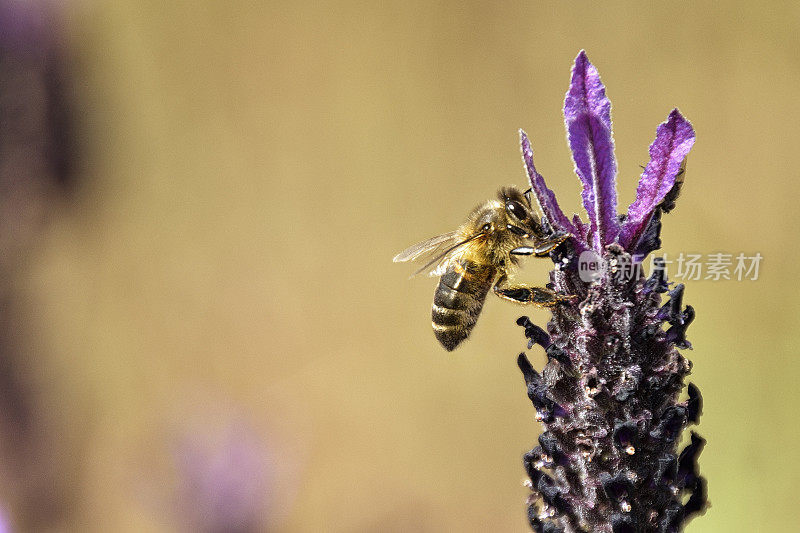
x,y
428,247
438,251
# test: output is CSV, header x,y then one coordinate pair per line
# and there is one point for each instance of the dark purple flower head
x,y
608,459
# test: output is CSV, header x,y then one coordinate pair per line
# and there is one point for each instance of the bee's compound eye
x,y
516,209
486,227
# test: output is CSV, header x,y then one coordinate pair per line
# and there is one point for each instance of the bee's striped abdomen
x,y
458,300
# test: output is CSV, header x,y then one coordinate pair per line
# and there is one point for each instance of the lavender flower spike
x,y
587,114
674,139
547,200
608,397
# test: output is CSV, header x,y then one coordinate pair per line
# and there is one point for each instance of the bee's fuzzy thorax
x,y
495,247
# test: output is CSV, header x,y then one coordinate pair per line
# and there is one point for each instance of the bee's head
x,y
501,225
509,216
520,218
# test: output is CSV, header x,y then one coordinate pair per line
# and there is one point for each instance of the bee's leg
x,y
523,250
523,294
542,248
545,246
527,195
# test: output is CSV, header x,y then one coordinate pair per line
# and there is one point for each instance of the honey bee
x,y
480,255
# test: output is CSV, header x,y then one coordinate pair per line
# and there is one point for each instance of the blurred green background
x,y
222,270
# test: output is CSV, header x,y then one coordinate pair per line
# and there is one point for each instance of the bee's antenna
x,y
527,195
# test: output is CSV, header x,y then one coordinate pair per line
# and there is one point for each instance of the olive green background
x,y
251,169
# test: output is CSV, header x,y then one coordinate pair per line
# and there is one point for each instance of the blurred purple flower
x,y
36,165
37,141
607,460
225,480
5,525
